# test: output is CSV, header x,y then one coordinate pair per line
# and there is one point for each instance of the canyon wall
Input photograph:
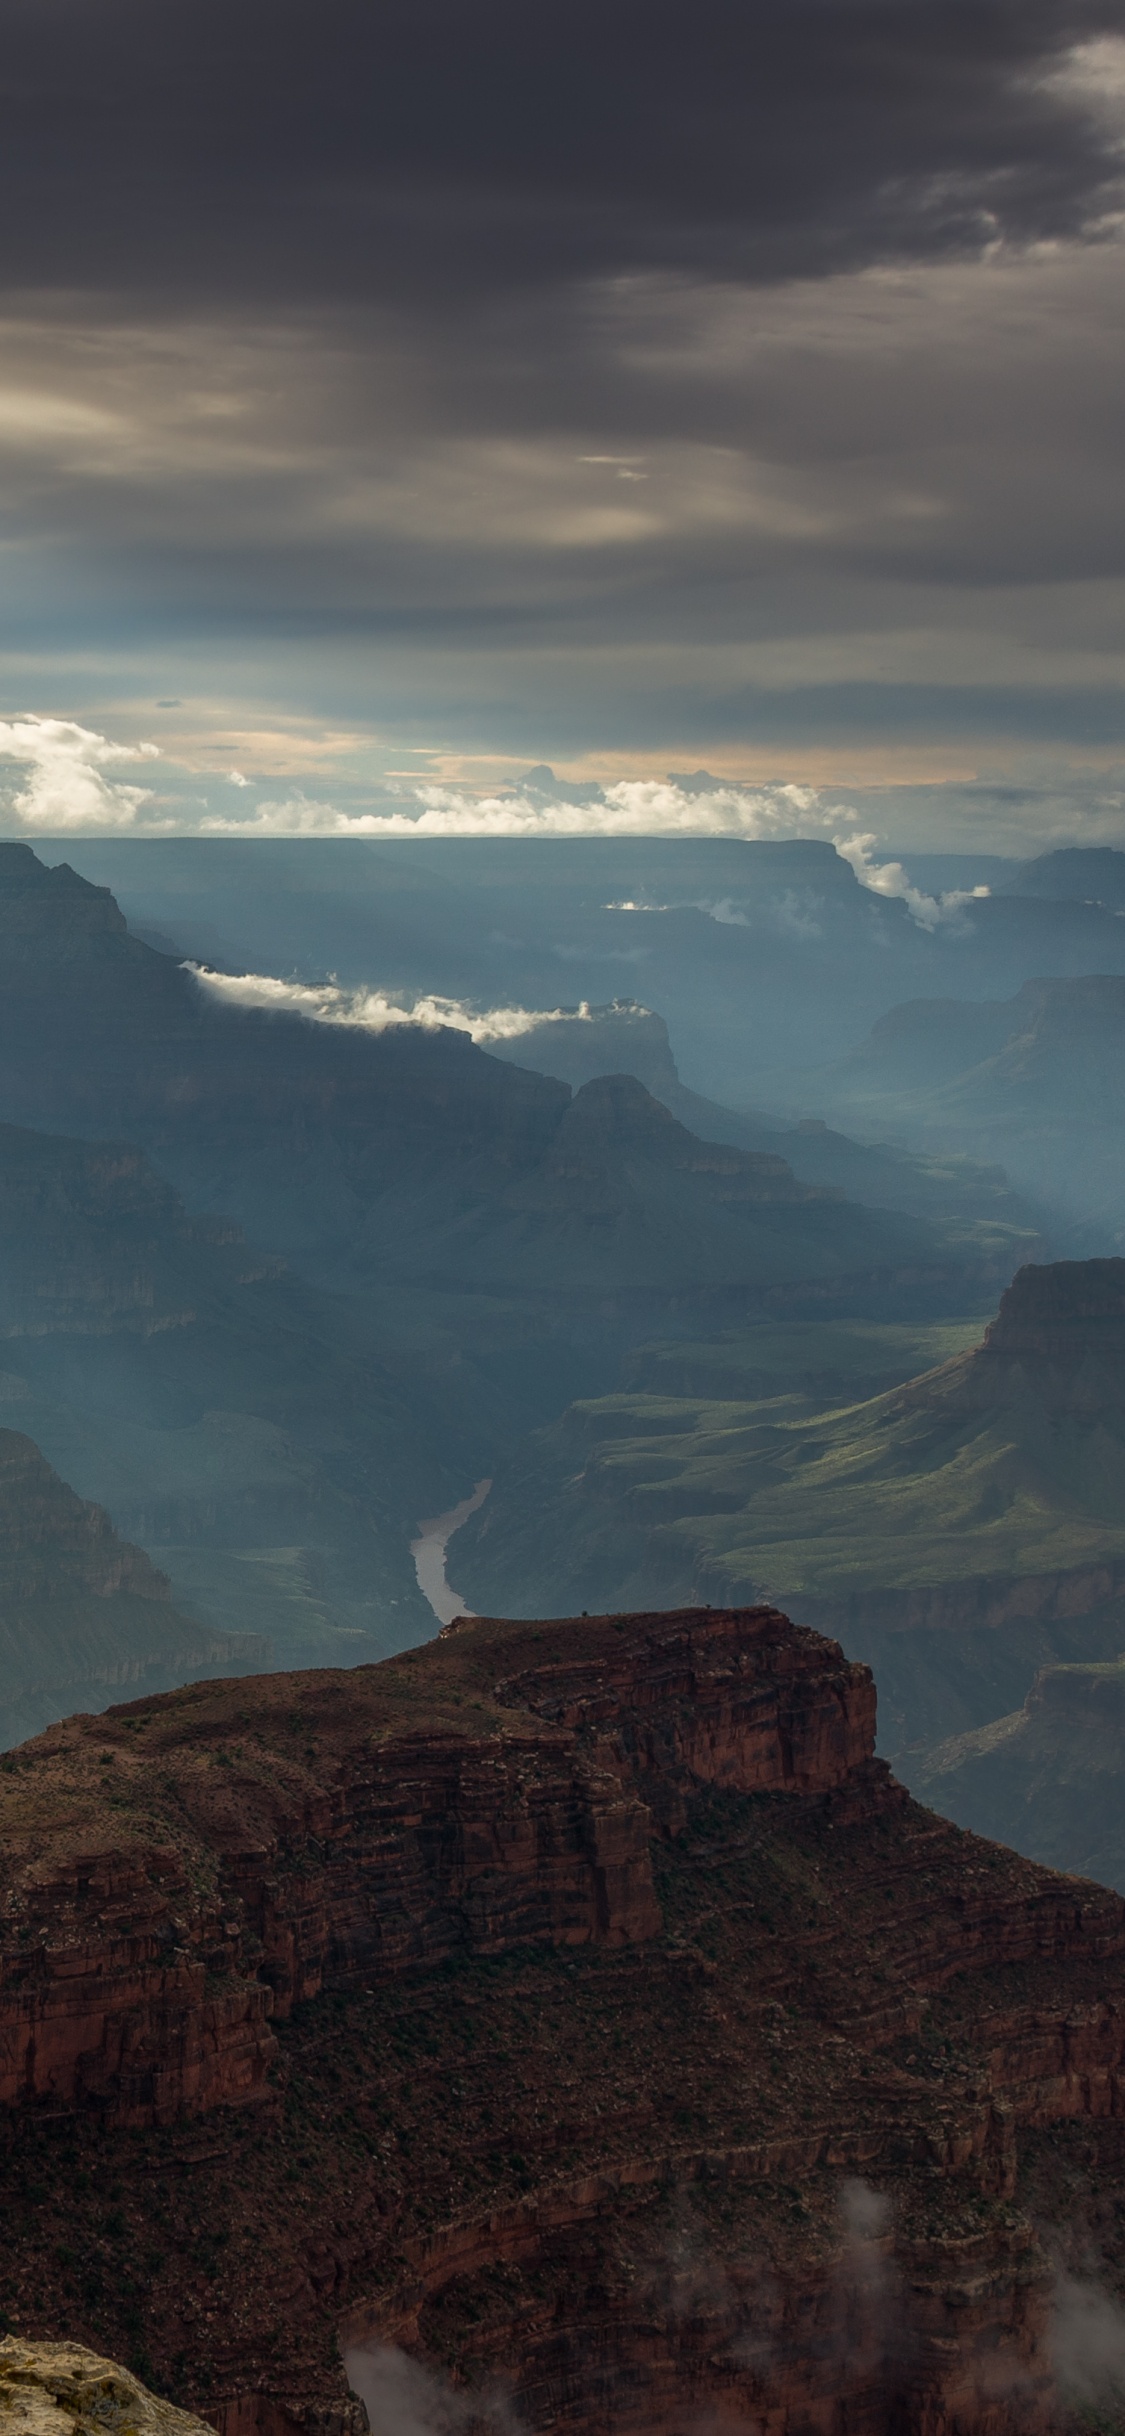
x,y
423,1842
578,2008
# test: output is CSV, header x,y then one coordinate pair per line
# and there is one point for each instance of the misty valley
x,y
562,1218
695,1244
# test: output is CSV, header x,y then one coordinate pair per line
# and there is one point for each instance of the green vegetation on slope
x,y
957,1530
704,1473
1000,1461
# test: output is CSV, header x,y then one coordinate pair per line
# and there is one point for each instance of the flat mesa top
x,y
146,1772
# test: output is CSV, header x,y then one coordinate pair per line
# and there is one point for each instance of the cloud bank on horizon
x,y
65,790
60,786
754,401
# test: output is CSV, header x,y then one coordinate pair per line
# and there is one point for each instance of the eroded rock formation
x,y
61,2389
421,1845
573,2004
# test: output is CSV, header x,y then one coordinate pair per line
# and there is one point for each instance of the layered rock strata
x,y
578,2006
143,1976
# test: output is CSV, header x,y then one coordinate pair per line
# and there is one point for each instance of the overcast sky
x,y
398,395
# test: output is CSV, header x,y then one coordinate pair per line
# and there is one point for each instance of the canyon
x,y
577,2010
957,1531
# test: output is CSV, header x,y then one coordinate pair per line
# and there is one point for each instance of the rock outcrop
x,y
61,2389
141,1978
1067,1320
577,2008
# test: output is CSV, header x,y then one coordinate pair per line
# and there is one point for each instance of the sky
x,y
395,399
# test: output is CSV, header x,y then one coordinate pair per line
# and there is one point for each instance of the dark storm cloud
x,y
546,380
356,151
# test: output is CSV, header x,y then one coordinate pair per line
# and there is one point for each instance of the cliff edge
x,y
575,2008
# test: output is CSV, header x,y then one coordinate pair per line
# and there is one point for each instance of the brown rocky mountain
x,y
577,2008
82,1613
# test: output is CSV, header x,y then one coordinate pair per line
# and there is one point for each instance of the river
x,y
428,1552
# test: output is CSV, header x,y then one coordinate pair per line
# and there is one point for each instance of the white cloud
x,y
374,1010
299,815
892,880
66,787
631,807
627,809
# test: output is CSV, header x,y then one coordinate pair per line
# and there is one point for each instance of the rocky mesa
x,y
576,2008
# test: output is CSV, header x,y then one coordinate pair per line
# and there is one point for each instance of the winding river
x,y
428,1552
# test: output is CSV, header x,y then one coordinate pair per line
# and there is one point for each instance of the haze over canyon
x,y
562,1218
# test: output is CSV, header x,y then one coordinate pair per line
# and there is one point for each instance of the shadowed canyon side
x,y
243,1426
627,1038
82,1613
411,1158
1035,1081
469,1247
1050,1777
578,2005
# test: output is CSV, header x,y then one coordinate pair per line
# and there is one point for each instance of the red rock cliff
x,y
574,2003
337,1837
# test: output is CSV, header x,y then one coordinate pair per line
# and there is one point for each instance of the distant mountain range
x,y
764,957
628,1038
406,1160
1083,875
956,1531
444,1250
